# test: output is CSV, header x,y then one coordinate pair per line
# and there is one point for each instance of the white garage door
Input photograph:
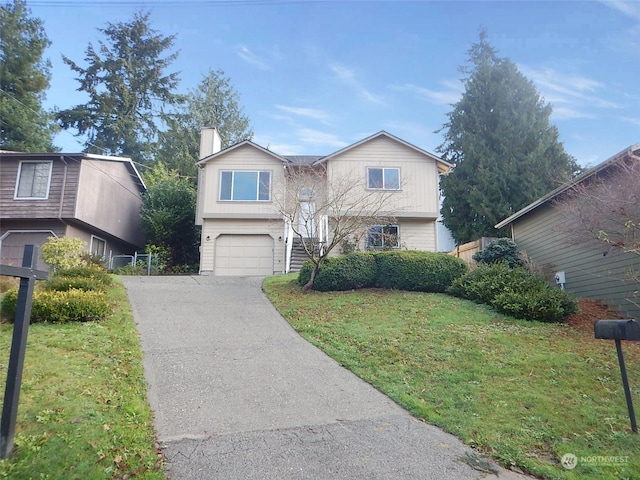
x,y
240,255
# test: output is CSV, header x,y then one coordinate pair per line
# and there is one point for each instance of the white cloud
x,y
449,95
248,56
315,137
312,113
628,8
348,77
571,96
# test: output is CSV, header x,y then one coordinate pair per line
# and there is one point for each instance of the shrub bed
x,y
418,271
514,291
60,306
403,270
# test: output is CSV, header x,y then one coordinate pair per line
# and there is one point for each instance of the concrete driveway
x,y
237,394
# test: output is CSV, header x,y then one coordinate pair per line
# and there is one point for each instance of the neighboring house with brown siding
x,y
600,272
92,197
243,230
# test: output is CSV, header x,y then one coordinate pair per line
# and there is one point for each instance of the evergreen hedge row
x,y
401,270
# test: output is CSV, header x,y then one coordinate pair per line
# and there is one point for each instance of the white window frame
x,y
383,187
19,177
104,243
383,246
233,173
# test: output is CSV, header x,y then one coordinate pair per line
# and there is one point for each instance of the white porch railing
x,y
323,233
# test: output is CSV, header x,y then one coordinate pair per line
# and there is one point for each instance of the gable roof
x,y
442,165
630,152
235,147
128,163
311,160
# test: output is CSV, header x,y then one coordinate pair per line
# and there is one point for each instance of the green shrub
x,y
516,292
483,283
500,250
93,273
349,272
418,271
406,270
60,306
63,283
63,253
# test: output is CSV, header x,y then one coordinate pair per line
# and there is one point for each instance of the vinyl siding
x,y
243,158
418,194
591,272
213,228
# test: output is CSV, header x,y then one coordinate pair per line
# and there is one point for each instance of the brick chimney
x,y
210,142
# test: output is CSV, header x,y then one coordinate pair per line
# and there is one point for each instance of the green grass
x,y
83,410
524,393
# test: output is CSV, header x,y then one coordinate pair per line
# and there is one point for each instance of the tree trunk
x,y
309,284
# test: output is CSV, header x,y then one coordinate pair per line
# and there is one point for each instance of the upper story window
x,y
383,178
243,185
33,180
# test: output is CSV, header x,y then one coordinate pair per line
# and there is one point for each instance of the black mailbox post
x,y
619,330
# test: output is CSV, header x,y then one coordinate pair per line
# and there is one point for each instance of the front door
x,y
306,219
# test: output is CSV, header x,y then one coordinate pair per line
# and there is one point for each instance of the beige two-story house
x,y
95,198
243,189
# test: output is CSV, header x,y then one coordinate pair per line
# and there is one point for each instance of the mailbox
x,y
617,329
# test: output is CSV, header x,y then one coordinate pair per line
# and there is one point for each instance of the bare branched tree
x,y
605,209
325,212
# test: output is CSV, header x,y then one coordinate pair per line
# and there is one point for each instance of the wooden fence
x,y
467,250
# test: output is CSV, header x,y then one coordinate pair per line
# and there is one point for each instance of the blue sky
x,y
315,76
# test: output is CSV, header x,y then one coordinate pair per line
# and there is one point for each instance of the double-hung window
x,y
383,237
33,180
379,178
245,185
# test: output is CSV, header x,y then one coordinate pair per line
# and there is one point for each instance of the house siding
x,y
60,202
591,272
245,157
418,194
214,228
120,216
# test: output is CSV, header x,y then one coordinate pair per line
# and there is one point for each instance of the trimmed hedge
x,y
71,295
514,291
60,306
350,272
402,270
418,271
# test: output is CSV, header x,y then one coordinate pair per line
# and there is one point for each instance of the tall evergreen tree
x,y
504,151
127,86
24,76
214,103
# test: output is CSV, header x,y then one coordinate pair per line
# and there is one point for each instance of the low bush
x,y
93,273
418,271
516,292
502,250
73,305
350,272
402,270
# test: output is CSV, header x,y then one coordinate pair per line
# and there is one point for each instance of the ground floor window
x,y
98,246
383,237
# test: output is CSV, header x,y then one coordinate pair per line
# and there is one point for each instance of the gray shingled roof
x,y
302,159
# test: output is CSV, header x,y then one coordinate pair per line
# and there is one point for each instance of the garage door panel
x,y
244,255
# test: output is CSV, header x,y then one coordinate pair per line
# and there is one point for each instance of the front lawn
x,y
524,393
83,409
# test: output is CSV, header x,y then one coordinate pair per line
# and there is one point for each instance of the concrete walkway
x,y
237,394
